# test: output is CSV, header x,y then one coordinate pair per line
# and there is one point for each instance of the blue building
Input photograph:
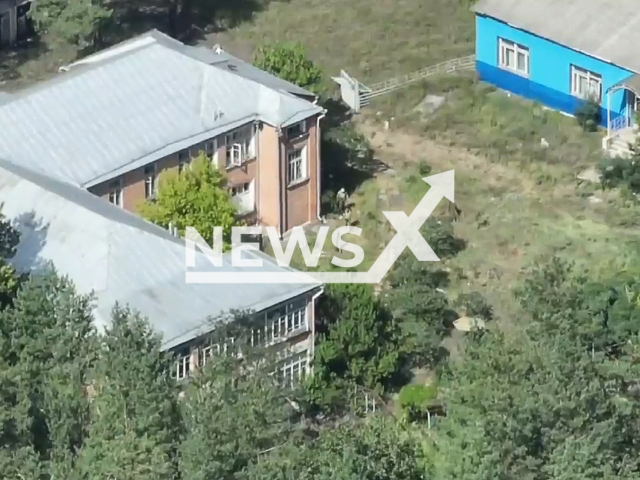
x,y
561,52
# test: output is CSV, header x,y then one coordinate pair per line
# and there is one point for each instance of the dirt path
x,y
404,148
509,220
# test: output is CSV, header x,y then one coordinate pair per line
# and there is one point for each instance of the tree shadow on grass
x,y
186,20
12,58
348,160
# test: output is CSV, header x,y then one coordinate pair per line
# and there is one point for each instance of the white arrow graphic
x,y
442,185
408,235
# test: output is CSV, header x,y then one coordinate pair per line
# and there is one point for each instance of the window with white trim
x,y
514,57
240,146
296,129
150,176
296,316
240,189
280,322
182,365
115,192
205,354
296,165
586,84
222,348
293,369
259,335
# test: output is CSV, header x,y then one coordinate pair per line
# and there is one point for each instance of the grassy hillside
x,y
371,39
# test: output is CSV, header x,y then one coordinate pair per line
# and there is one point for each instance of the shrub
x,y
290,62
620,172
441,237
589,115
475,305
424,168
415,399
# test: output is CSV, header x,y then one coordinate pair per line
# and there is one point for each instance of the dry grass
x,y
520,202
372,39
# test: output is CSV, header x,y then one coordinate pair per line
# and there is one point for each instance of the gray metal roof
x,y
606,29
123,258
5,97
130,105
224,59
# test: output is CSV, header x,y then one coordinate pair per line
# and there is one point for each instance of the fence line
x,y
387,86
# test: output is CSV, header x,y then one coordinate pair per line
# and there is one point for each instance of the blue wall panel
x,y
549,81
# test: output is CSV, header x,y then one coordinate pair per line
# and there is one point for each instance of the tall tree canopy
x,y
80,22
290,62
562,400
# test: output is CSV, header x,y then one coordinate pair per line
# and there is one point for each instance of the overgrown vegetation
x,y
589,115
554,396
290,62
560,399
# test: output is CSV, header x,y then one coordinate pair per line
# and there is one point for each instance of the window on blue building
x,y
514,57
586,84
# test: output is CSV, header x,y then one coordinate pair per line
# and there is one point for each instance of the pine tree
x,y
48,347
134,423
232,413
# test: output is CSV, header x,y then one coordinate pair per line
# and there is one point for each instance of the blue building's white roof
x,y
606,29
135,103
122,258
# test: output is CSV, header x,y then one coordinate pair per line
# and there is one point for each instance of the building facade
x,y
285,331
273,175
563,53
118,257
113,121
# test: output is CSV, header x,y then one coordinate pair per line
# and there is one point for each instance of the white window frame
x,y
205,354
240,146
241,189
293,369
116,193
591,79
182,366
297,129
505,46
150,180
283,321
296,165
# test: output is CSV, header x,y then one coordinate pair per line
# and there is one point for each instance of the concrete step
x,y
621,144
619,152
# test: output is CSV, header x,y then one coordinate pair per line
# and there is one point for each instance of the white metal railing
x,y
620,123
381,88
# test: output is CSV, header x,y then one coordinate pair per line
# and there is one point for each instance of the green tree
x,y
359,343
9,278
560,401
290,62
419,307
133,432
79,22
232,413
374,449
47,349
195,197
